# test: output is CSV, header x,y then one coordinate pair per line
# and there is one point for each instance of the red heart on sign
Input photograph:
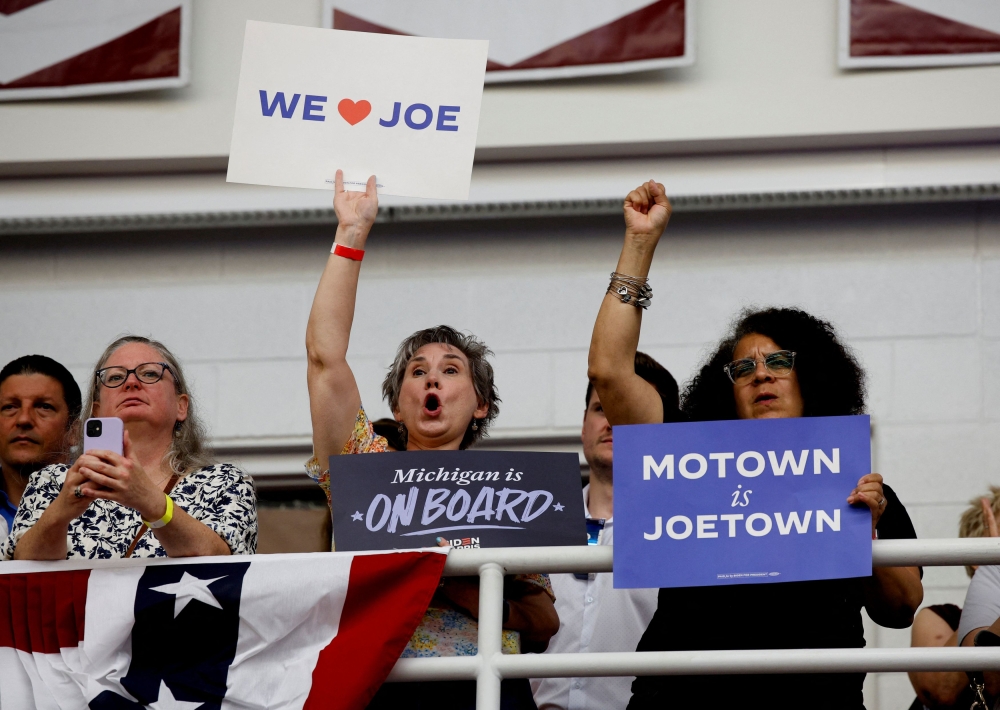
x,y
354,112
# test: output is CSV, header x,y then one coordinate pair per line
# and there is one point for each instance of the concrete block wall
x,y
914,289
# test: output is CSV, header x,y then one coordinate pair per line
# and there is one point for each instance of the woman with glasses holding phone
x,y
778,362
163,496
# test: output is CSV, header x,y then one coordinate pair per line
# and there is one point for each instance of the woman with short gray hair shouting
x,y
441,392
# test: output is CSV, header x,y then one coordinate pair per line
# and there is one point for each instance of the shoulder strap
x,y
142,527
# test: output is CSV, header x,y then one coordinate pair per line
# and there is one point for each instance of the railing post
x,y
490,636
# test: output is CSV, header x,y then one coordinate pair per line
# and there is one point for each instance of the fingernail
x,y
439,539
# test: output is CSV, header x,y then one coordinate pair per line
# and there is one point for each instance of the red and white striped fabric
x,y
54,48
919,33
538,39
271,631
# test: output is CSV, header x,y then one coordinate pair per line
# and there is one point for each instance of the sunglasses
x,y
778,363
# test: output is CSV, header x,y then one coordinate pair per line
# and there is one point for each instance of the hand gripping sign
x,y
738,502
470,498
310,101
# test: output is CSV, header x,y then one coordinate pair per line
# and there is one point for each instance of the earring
x,y
401,429
475,425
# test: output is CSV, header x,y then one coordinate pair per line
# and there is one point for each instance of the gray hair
x,y
187,448
480,369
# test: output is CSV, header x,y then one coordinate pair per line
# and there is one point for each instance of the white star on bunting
x,y
558,507
357,516
190,588
166,700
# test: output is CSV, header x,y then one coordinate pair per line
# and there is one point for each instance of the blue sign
x,y
740,502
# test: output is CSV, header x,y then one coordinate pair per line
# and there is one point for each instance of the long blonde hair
x,y
187,448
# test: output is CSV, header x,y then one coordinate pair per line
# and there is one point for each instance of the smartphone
x,y
105,433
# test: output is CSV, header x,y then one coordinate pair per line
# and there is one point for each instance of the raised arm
x,y
333,394
626,397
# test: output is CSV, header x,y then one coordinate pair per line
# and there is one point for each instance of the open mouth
x,y
764,397
432,404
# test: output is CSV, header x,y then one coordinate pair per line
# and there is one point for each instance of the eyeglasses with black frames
x,y
148,373
778,363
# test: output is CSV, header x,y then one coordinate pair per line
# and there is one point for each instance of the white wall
x,y
915,290
765,71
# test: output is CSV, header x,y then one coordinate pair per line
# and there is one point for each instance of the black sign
x,y
408,499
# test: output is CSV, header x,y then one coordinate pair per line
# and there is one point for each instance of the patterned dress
x,y
220,496
444,630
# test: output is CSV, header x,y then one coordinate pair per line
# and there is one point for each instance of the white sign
x,y
312,101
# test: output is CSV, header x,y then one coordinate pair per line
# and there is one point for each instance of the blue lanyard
x,y
594,528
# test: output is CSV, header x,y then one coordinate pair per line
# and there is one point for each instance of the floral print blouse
x,y
220,496
444,630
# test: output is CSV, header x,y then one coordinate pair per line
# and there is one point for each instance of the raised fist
x,y
647,211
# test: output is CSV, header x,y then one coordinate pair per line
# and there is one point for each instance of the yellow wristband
x,y
167,517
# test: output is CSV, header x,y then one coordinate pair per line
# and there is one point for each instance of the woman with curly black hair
x,y
777,362
830,380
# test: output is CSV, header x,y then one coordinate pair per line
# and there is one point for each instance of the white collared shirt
x,y
593,617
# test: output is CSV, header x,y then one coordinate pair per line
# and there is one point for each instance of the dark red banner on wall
x,y
918,33
538,39
59,48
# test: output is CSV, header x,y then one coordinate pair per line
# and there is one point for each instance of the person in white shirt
x,y
593,615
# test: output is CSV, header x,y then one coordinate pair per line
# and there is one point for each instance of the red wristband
x,y
348,252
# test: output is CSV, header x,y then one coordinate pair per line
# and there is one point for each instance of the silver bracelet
x,y
631,290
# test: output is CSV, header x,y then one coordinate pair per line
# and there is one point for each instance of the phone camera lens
x,y
94,428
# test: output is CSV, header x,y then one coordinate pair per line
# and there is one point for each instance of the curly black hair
x,y
830,379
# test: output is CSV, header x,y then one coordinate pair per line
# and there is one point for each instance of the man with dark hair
x,y
39,411
593,615
657,375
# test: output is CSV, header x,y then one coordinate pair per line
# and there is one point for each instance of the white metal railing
x,y
489,666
